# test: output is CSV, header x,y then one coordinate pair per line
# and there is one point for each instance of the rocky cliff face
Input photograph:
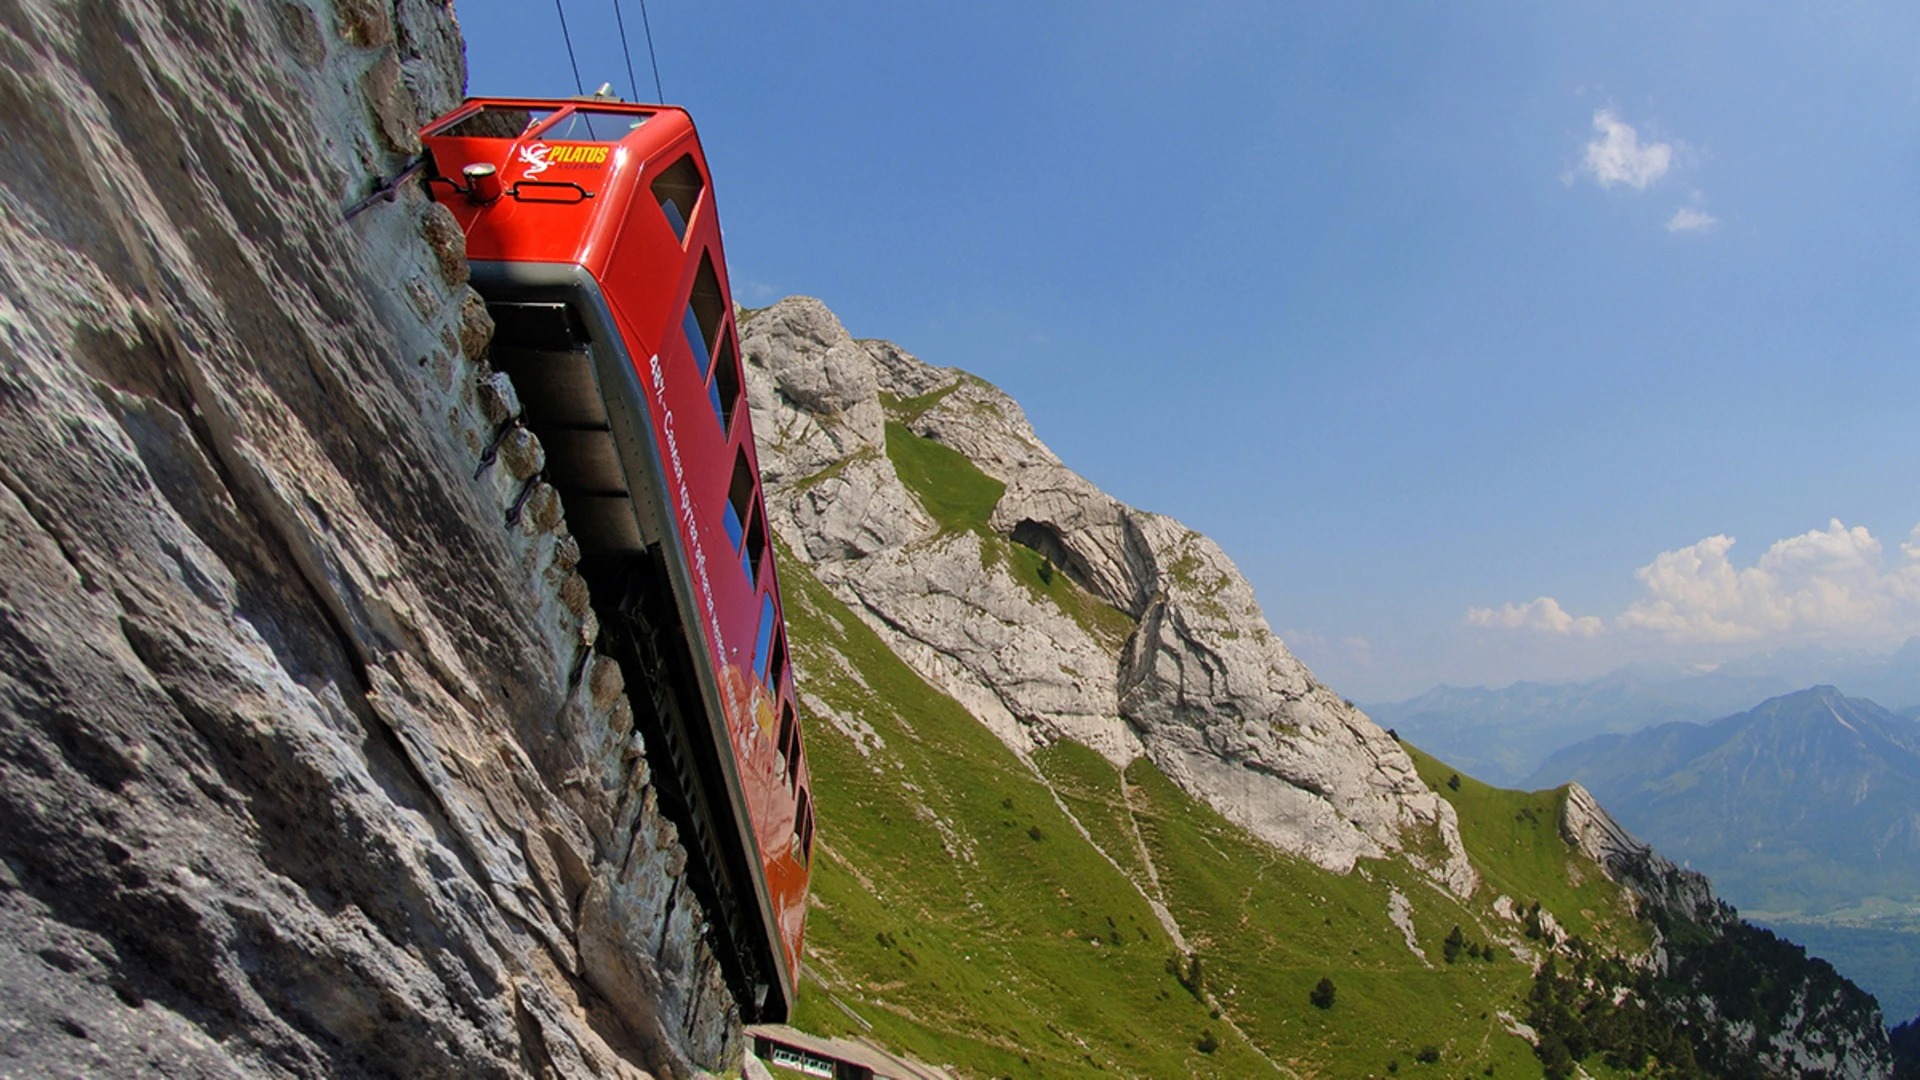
x,y
1763,1005
1057,612
306,767
1662,886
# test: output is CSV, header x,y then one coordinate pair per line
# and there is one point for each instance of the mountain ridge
x,y
1805,810
1809,775
1504,733
1203,686
952,582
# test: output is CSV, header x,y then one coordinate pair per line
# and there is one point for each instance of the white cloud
x,y
1695,594
1827,584
1617,156
1688,219
1541,614
1836,584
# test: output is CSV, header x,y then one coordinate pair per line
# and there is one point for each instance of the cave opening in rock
x,y
1046,540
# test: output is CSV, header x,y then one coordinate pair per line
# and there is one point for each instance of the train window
x,y
803,828
677,190
595,125
788,744
725,391
763,647
739,497
706,307
777,668
496,122
756,545
696,340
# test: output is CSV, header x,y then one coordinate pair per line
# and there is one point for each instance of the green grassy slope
x,y
1268,927
998,915
1513,838
956,909
973,910
952,489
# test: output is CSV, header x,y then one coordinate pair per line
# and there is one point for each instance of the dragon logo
x,y
535,157
539,157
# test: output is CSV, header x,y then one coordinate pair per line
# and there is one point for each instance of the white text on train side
x,y
693,530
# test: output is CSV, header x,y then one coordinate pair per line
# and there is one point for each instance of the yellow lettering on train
x,y
577,155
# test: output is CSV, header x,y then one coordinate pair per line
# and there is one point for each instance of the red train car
x,y
592,233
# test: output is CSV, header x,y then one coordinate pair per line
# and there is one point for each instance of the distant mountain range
x,y
1893,679
1801,806
1503,735
1805,812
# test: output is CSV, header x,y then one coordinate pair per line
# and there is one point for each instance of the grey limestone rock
x,y
1652,877
819,393
1196,681
1221,702
294,777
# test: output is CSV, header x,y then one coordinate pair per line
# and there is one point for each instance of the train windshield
x,y
595,125
496,122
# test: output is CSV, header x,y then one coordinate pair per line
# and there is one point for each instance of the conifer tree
x,y
1322,995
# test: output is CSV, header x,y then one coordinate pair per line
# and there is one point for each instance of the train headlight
x,y
483,182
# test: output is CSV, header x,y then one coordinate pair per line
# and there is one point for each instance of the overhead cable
x,y
659,94
578,88
632,84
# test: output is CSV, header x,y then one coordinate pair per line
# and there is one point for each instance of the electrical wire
x,y
577,87
661,95
626,51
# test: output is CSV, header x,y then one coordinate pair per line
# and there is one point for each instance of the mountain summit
x,y
1806,803
1501,735
923,499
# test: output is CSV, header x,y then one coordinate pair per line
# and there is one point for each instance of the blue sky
x,y
1470,334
